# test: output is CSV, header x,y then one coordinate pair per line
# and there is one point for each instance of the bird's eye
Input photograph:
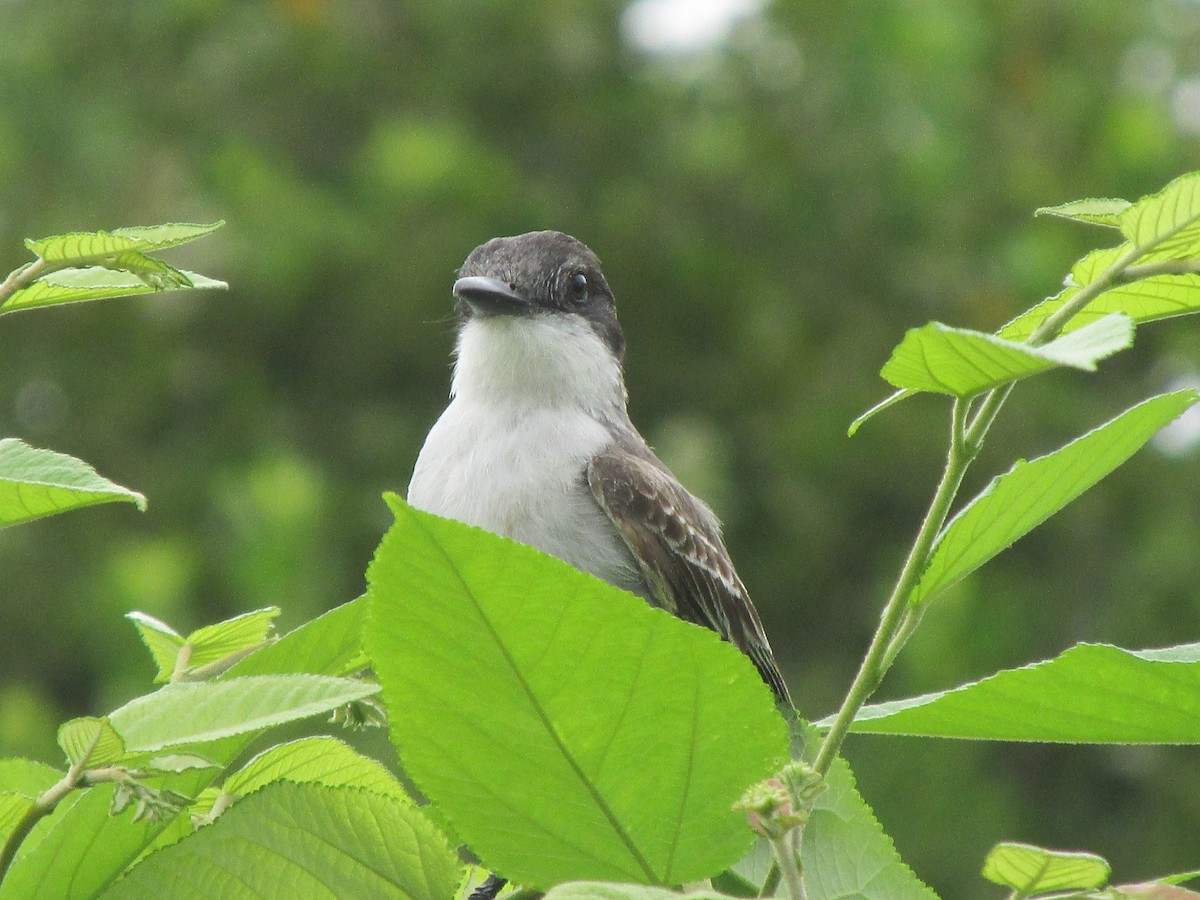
x,y
578,286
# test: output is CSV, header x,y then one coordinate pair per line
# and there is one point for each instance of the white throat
x,y
539,361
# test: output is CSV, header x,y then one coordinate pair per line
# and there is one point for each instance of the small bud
x,y
779,804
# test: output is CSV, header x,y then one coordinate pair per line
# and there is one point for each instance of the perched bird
x,y
536,444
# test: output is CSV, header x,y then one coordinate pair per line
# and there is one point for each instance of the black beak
x,y
490,296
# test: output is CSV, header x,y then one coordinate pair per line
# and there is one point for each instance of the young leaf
x,y
220,641
302,840
877,408
1032,870
91,742
163,642
1015,503
1168,222
1094,211
565,728
963,363
36,483
88,245
330,644
320,760
193,712
845,851
93,283
1090,694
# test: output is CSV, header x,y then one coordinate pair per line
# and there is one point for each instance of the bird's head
x,y
538,326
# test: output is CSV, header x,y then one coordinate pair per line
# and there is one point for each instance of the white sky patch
x,y
684,26
1181,437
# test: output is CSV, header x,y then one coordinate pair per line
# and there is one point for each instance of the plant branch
x,y
21,278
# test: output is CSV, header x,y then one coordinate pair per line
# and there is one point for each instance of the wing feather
x,y
676,541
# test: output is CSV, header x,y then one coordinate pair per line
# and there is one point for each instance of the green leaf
x,y
91,244
91,742
963,363
1168,222
1090,694
13,807
330,644
877,408
163,642
302,840
36,483
215,642
1015,503
179,762
78,851
845,852
610,738
193,712
1093,211
74,285
605,890
321,760
24,776
1032,870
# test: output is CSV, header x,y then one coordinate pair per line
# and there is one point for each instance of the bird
x,y
537,445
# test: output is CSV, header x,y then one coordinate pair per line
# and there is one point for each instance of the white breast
x,y
510,452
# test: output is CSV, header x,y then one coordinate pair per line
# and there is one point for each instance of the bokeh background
x,y
777,190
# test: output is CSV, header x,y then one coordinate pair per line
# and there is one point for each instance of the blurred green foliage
x,y
773,211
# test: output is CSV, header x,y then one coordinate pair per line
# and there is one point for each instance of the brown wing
x,y
677,543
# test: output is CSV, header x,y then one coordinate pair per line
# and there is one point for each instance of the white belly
x,y
520,473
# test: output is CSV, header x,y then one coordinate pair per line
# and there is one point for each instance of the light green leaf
x,y
605,890
1015,503
1168,222
163,642
24,776
845,852
303,840
322,760
89,245
1095,211
877,408
216,642
963,363
330,644
74,285
1090,694
13,807
193,712
77,852
1032,870
1144,300
91,741
179,762
36,483
610,738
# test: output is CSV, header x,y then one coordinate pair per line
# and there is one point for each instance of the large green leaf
x,y
603,890
1033,870
24,776
565,728
1015,503
78,850
303,840
194,712
845,852
74,285
92,244
963,363
1091,694
36,483
330,644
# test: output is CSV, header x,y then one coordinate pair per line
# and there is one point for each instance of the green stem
x,y
875,663
786,849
